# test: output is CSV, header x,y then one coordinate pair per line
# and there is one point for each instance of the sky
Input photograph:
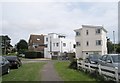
x,y
20,19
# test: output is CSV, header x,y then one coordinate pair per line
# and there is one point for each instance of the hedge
x,y
32,54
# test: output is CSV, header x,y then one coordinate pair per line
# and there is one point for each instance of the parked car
x,y
4,66
14,61
92,58
110,60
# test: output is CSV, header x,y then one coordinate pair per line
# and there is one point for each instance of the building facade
x,y
57,44
90,40
36,43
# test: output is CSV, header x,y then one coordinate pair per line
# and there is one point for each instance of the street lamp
x,y
114,40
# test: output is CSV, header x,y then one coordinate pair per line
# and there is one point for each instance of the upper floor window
x,y
38,39
98,42
98,31
57,44
54,44
74,45
46,39
46,45
77,43
77,33
86,32
64,44
87,43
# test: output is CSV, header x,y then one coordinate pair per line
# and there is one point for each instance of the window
x,y
77,33
74,45
38,39
109,59
64,44
98,31
57,44
46,39
35,45
87,43
46,45
98,42
54,44
104,58
77,43
86,32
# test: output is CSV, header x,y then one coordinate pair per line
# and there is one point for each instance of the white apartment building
x,y
57,44
90,40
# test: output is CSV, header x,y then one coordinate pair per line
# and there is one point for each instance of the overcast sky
x,y
20,19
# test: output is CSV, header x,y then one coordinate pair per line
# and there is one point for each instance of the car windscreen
x,y
116,58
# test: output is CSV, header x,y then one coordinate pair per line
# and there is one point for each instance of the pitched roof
x,y
36,39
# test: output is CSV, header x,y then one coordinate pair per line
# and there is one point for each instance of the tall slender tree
x,y
110,47
118,48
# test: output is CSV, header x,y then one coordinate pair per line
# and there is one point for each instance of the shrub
x,y
73,64
32,54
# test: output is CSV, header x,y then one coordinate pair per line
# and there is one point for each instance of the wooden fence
x,y
108,72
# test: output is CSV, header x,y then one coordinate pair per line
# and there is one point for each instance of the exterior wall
x,y
84,50
104,47
69,47
54,50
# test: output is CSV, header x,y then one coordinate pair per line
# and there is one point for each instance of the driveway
x,y
49,73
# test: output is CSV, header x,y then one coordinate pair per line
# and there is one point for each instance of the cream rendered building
x,y
90,40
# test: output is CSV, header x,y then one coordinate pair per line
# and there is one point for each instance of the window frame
x,y
46,39
98,42
87,43
78,44
98,31
87,33
64,44
57,44
77,33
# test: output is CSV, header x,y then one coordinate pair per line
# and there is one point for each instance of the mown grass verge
x,y
68,74
27,72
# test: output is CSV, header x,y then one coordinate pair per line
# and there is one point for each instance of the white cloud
x,y
22,19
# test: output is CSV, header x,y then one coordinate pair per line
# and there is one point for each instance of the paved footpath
x,y
49,73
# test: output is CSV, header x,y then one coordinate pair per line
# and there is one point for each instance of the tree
x,y
5,44
110,47
118,48
22,46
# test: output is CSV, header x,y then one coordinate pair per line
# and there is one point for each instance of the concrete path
x,y
49,73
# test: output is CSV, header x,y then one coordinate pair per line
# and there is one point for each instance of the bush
x,y
54,57
73,64
12,54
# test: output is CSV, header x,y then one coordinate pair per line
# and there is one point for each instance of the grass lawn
x,y
27,72
69,74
